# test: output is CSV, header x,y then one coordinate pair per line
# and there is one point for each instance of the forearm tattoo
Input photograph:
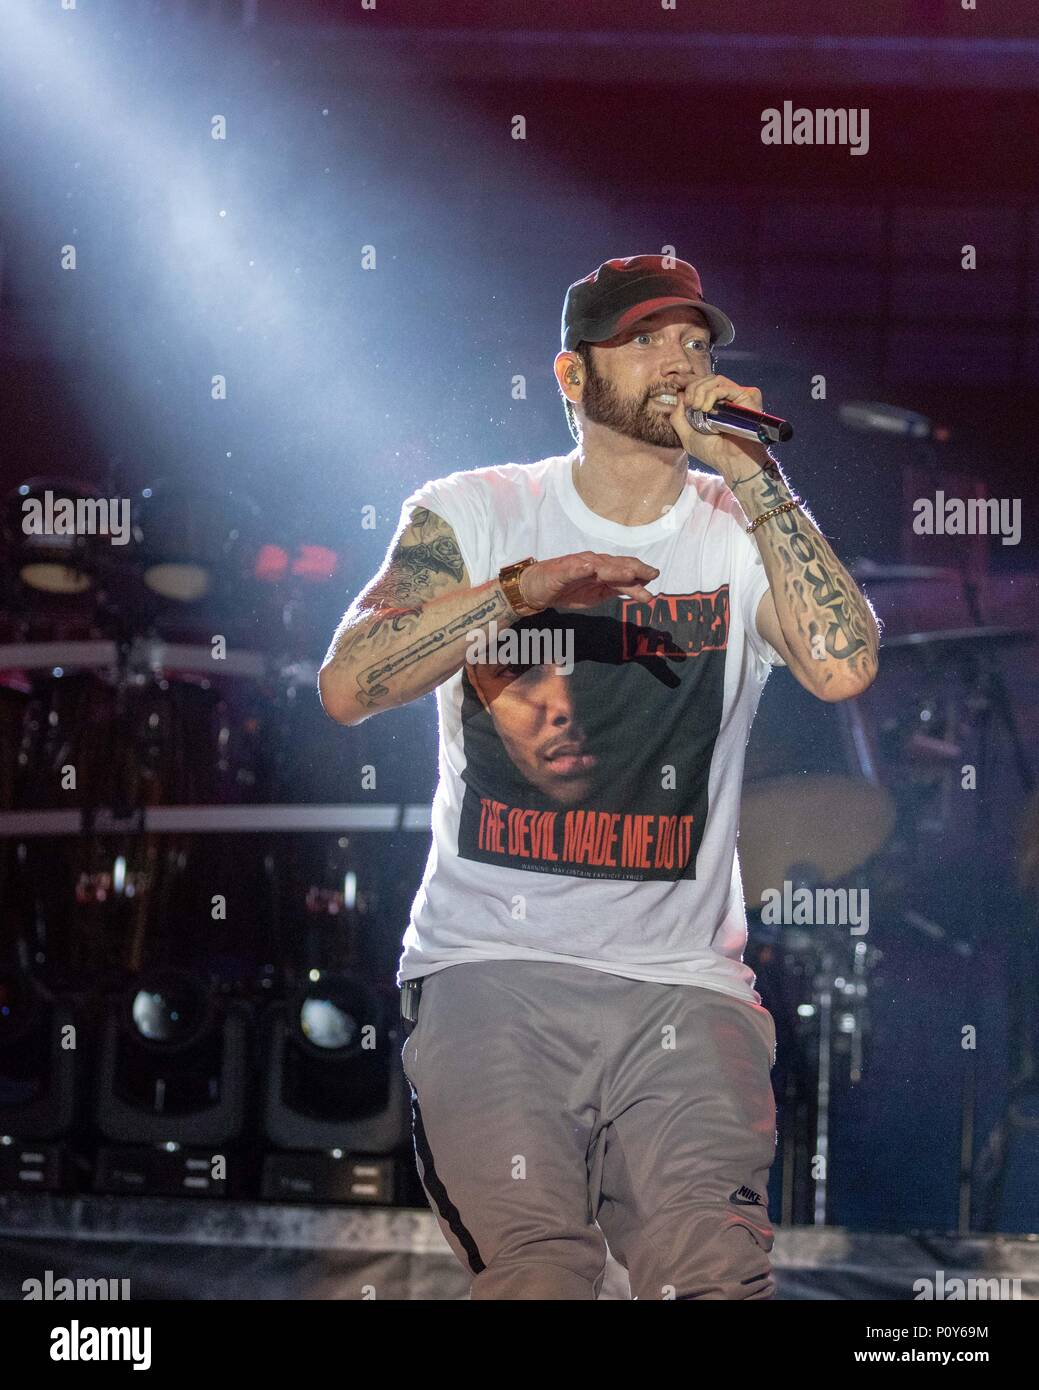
x,y
371,688
424,561
815,589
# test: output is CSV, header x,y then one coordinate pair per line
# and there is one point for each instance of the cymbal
x,y
879,574
958,637
833,824
146,655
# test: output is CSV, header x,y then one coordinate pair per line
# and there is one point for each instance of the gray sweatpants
x,y
555,1106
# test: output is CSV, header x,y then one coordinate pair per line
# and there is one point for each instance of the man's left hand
x,y
725,452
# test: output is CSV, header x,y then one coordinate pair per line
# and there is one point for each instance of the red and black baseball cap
x,y
625,290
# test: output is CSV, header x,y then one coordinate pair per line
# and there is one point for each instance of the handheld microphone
x,y
726,418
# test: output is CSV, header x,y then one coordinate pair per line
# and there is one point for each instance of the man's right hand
x,y
584,580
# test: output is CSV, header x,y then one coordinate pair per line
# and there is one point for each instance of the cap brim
x,y
722,331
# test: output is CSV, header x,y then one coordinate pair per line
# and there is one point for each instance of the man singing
x,y
589,1060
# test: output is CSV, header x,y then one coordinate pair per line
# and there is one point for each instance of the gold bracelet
x,y
783,507
508,578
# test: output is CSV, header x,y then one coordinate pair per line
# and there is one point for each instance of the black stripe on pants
x,y
438,1192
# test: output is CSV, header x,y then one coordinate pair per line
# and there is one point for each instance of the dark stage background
x,y
355,134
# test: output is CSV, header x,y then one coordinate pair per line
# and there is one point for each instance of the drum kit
x,y
861,800
145,742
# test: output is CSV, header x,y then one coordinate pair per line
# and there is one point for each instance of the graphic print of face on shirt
x,y
536,717
602,772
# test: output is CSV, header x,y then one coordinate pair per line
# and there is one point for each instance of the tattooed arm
x,y
813,612
406,631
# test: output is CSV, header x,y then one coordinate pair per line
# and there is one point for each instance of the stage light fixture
x,y
336,1103
326,1024
38,1078
171,1010
173,1077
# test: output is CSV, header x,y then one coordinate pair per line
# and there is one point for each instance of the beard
x,y
638,418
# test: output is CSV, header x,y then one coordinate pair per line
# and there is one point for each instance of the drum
x,y
193,542
96,737
154,727
54,537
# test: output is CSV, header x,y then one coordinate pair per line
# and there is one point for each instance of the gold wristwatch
x,y
508,577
